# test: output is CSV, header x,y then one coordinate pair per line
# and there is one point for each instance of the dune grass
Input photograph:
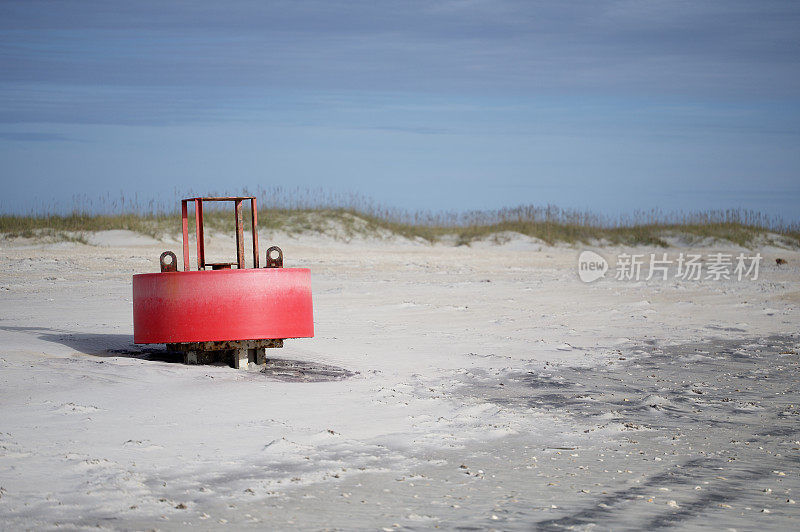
x,y
349,216
551,232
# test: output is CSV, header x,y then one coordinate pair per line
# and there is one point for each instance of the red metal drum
x,y
219,305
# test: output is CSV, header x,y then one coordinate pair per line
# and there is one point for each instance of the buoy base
x,y
238,354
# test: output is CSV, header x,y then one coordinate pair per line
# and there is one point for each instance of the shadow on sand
x,y
121,345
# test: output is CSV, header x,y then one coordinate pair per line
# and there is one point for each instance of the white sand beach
x,y
479,386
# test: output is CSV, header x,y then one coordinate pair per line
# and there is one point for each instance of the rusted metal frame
x,y
199,230
185,223
201,248
254,223
222,198
239,235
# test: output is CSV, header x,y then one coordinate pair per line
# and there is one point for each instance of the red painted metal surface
x,y
205,306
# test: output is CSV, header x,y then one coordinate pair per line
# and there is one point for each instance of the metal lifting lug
x,y
274,257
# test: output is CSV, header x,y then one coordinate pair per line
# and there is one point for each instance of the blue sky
x,y
608,106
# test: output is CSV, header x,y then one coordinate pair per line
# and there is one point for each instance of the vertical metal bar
x,y
201,237
197,226
239,235
185,222
254,217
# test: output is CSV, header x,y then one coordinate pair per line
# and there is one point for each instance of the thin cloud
x,y
33,136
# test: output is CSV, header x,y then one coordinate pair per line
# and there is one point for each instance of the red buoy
x,y
228,309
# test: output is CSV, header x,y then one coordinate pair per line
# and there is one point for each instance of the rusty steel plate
x,y
219,305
